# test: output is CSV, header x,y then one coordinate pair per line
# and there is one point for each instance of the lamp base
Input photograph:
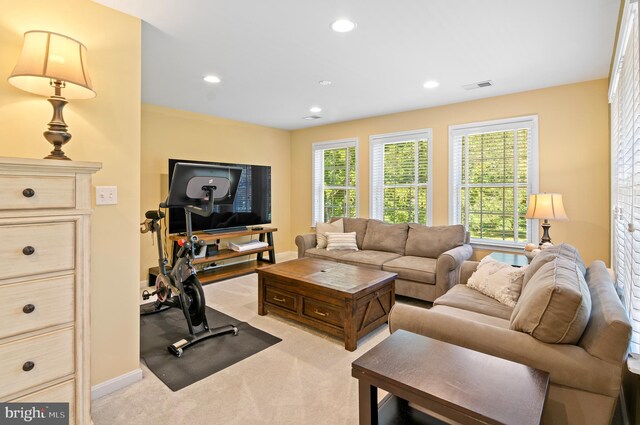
x,y
545,232
57,133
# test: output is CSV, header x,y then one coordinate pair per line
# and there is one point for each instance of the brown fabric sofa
x,y
426,259
585,376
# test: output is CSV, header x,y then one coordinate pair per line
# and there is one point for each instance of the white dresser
x,y
45,214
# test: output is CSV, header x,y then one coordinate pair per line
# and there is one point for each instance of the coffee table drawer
x,y
282,299
323,312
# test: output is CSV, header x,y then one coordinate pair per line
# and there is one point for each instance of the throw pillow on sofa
x,y
323,228
431,241
555,305
341,241
385,237
498,280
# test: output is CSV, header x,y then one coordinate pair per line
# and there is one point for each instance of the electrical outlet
x,y
106,195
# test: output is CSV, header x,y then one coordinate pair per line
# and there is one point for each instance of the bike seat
x,y
154,215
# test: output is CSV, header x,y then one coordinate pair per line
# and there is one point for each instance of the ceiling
x,y
271,54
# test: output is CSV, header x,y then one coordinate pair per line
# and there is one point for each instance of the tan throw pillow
x,y
431,241
385,237
563,250
323,228
555,305
341,241
498,280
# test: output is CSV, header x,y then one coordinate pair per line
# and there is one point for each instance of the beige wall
x,y
573,152
104,129
171,133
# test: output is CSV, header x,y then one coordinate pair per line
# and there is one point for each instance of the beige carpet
x,y
305,379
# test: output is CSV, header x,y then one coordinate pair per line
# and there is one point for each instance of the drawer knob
x,y
28,250
27,366
28,308
28,192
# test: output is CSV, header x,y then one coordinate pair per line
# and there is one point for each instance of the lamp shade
x,y
546,206
50,56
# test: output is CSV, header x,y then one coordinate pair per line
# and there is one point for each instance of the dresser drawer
x,y
321,311
36,248
51,354
36,304
29,192
60,393
282,299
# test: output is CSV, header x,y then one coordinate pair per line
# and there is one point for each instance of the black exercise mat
x,y
157,331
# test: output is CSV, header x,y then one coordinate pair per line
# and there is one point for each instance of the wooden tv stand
x,y
237,269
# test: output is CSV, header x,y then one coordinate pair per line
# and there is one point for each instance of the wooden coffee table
x,y
340,299
455,384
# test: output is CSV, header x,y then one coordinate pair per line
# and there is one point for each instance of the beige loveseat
x,y
585,374
426,259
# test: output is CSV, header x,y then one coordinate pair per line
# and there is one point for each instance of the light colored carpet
x,y
305,379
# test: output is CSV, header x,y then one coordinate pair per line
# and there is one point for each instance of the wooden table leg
x,y
350,331
368,403
261,308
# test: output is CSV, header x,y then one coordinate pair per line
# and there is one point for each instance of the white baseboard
x,y
114,384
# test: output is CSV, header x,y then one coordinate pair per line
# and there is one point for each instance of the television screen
x,y
251,206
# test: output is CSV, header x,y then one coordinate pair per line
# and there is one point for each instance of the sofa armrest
x,y
466,270
568,365
305,242
447,266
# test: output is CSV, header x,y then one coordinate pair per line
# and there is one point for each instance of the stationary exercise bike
x,y
196,188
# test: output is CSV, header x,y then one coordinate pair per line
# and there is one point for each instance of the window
x,y
401,177
624,96
493,169
335,189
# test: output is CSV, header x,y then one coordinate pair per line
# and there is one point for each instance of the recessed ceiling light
x,y
212,79
324,82
431,84
315,109
343,25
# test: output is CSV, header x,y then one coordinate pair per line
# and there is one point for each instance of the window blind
x,y
400,165
334,182
624,96
493,170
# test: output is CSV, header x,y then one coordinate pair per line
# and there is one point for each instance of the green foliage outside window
x,y
405,182
494,185
339,182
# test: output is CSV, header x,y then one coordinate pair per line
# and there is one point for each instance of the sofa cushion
x,y
322,253
608,332
431,241
387,237
418,269
358,225
341,241
498,280
563,250
465,298
323,228
555,306
366,258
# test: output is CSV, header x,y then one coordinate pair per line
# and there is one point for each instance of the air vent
x,y
312,117
478,85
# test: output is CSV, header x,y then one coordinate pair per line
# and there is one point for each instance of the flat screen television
x,y
251,206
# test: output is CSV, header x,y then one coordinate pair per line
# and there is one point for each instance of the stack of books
x,y
247,246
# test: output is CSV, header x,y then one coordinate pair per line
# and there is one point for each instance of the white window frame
x,y
376,179
624,229
532,178
317,176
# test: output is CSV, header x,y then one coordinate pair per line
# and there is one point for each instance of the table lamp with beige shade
x,y
546,206
50,63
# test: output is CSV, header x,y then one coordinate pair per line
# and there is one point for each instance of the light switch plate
x,y
106,195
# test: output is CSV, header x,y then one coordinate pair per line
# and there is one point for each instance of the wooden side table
x,y
453,383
